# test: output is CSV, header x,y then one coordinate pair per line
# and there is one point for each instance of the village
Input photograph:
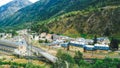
x,y
51,43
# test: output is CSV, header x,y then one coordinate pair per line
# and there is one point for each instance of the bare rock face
x,y
11,7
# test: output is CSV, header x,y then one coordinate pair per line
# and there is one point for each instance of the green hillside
x,y
45,9
102,19
69,17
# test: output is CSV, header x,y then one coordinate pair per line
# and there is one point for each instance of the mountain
x,y
11,7
103,22
103,19
69,16
45,9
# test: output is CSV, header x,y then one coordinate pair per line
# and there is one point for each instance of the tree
x,y
68,46
46,41
67,57
59,53
39,28
78,56
14,33
59,64
114,44
95,40
64,60
107,32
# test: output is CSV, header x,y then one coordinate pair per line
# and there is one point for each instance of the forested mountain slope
x,y
70,17
45,9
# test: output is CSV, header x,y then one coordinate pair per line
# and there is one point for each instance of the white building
x,y
103,40
21,32
43,35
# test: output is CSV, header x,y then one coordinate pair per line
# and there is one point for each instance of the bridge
x,y
9,46
45,54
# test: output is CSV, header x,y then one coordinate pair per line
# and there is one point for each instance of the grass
x,y
21,60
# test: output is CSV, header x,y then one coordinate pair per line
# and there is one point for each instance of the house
x,y
2,35
88,41
36,37
5,35
31,36
80,39
103,40
17,38
43,35
55,37
49,37
9,35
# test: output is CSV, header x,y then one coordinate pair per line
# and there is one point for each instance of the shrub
x,y
78,56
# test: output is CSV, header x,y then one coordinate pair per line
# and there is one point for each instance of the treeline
x,y
65,60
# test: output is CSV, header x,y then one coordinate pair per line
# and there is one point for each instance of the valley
x,y
60,34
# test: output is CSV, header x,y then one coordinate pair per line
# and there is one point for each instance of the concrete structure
x,y
48,56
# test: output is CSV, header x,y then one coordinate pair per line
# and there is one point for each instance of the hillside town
x,y
51,40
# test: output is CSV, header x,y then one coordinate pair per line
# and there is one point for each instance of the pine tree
x,y
95,40
114,45
107,32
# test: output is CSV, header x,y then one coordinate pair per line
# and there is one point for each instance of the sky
x,y
2,2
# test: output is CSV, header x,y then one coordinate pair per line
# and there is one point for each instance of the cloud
x,y
33,1
2,2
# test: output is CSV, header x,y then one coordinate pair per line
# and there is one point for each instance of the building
x,y
5,35
21,48
22,32
43,35
103,40
49,37
101,47
2,35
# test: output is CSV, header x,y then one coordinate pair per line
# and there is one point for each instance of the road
x,y
45,54
39,50
8,45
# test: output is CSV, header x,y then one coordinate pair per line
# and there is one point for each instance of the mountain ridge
x,y
94,17
51,8
12,7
